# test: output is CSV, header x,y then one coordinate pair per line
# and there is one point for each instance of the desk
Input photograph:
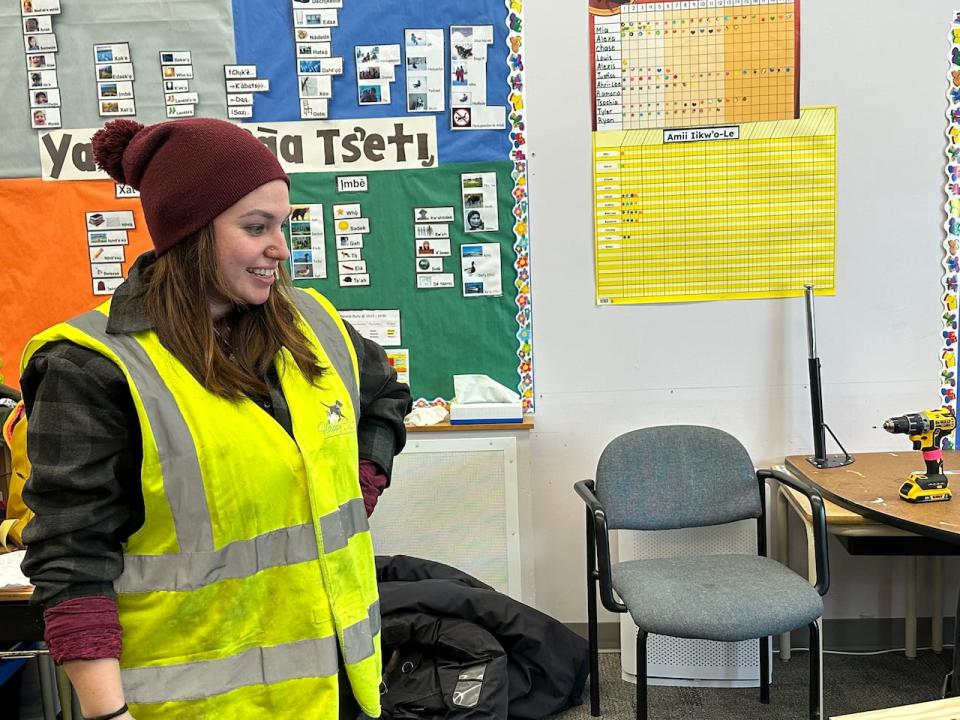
x,y
870,486
22,622
851,528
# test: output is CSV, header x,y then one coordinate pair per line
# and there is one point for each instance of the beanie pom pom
x,y
109,144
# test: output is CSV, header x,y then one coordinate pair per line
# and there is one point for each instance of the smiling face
x,y
250,245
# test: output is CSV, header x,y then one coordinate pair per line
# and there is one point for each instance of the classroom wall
x,y
741,365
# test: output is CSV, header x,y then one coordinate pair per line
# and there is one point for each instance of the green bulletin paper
x,y
445,332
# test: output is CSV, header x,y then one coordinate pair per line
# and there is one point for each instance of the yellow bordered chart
x,y
715,213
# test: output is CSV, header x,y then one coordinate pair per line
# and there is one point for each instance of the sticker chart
x,y
744,211
702,62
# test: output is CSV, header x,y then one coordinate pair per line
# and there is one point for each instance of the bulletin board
x,y
398,123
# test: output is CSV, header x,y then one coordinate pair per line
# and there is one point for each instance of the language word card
x,y
426,51
308,246
479,192
468,80
480,268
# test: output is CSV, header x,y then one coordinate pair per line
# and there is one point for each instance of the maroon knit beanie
x,y
187,171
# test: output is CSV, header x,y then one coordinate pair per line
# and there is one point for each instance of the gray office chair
x,y
685,476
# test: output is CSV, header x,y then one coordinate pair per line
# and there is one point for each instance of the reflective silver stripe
x,y
358,638
256,666
338,527
240,559
333,341
179,463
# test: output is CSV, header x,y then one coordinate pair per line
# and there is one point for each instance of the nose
x,y
278,250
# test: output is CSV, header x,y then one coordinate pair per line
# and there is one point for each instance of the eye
x,y
256,229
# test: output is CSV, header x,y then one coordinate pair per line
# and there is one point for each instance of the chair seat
x,y
715,597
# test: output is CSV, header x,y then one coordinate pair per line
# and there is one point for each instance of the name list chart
x,y
693,63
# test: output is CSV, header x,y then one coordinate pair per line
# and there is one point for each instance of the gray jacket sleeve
x,y
84,484
384,402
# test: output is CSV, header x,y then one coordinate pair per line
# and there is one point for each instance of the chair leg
x,y
594,642
594,647
765,670
816,671
641,675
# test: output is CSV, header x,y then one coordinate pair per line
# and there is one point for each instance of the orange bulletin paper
x,y
45,239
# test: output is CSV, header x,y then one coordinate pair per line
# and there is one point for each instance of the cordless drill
x,y
925,428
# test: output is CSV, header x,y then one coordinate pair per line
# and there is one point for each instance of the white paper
x,y
381,326
478,388
10,573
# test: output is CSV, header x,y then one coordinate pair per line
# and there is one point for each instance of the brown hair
x,y
177,291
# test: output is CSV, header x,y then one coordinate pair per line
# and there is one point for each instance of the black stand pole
x,y
820,457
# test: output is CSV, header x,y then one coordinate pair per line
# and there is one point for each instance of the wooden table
x,y
870,487
856,531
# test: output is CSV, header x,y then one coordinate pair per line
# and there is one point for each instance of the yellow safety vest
x,y
254,562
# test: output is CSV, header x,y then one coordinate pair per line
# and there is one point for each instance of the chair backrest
x,y
676,476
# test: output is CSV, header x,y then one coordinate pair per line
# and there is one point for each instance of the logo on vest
x,y
335,418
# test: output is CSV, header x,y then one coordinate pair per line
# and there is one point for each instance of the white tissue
x,y
430,415
481,389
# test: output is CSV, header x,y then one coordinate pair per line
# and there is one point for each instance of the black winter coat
x,y
455,648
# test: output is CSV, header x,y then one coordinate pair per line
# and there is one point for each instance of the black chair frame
x,y
598,573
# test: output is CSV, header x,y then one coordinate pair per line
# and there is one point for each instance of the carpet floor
x,y
851,683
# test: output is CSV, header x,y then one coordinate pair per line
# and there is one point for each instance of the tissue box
x,y
477,413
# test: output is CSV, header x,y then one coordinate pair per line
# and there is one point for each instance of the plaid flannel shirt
x,y
84,443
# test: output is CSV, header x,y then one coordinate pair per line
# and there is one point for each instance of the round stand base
x,y
830,461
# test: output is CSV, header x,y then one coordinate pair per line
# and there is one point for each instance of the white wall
x,y
741,365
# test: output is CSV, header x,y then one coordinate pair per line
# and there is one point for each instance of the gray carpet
x,y
851,684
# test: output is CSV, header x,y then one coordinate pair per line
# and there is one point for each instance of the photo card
x,y
180,111
176,57
115,71
111,220
45,98
122,90
176,86
313,109
315,18
38,43
41,61
117,108
39,7
177,72
45,117
41,24
111,53
107,237
313,34
44,79
315,86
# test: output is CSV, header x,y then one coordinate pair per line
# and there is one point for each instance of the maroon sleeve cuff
x,y
83,628
372,482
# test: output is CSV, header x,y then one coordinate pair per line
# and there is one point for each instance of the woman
x,y
200,543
